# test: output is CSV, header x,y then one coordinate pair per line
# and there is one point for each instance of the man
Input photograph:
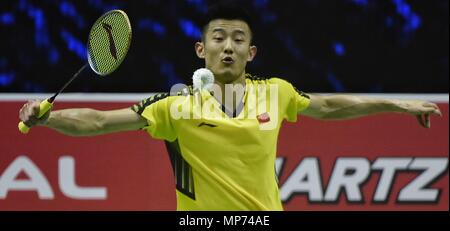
x,y
225,162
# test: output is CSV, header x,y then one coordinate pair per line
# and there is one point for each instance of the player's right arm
x,y
83,121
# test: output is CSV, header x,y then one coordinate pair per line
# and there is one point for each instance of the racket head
x,y
108,42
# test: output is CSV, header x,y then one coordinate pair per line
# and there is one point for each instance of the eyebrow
x,y
239,31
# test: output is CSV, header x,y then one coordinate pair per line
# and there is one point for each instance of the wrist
x,y
400,106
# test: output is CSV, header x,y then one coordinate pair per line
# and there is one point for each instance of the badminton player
x,y
226,163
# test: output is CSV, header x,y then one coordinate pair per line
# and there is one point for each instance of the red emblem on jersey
x,y
263,118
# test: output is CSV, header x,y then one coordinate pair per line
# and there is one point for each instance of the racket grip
x,y
43,108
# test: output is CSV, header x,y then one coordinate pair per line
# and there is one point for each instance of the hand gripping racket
x,y
108,43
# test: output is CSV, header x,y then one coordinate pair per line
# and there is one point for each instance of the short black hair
x,y
229,10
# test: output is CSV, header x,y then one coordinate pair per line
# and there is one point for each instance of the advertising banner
x,y
381,162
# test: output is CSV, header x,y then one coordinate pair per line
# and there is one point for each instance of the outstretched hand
x,y
29,113
422,110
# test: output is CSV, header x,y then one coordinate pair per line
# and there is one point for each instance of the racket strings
x,y
109,41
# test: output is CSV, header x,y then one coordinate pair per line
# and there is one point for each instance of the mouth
x,y
228,60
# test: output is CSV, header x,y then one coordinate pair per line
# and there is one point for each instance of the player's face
x,y
226,49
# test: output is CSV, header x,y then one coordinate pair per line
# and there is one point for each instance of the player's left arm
x,y
336,107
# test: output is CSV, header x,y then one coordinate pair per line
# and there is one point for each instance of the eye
x,y
239,40
218,38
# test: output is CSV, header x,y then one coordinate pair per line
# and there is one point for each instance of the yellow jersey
x,y
223,160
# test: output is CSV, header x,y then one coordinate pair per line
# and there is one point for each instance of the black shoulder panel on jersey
x,y
302,93
184,178
254,77
139,108
186,91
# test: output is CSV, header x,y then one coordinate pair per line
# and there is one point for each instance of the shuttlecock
x,y
203,79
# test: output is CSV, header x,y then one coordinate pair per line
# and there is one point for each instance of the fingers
x,y
35,108
434,108
427,120
32,121
29,112
420,120
424,120
24,112
437,111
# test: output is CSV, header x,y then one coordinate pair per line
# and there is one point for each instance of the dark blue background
x,y
380,46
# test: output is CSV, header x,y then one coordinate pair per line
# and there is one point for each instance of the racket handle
x,y
43,108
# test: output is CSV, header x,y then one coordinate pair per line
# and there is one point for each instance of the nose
x,y
228,49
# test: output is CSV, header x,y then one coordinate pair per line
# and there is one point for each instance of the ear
x,y
200,49
252,53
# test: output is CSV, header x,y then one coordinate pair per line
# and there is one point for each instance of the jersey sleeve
x,y
156,110
295,100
